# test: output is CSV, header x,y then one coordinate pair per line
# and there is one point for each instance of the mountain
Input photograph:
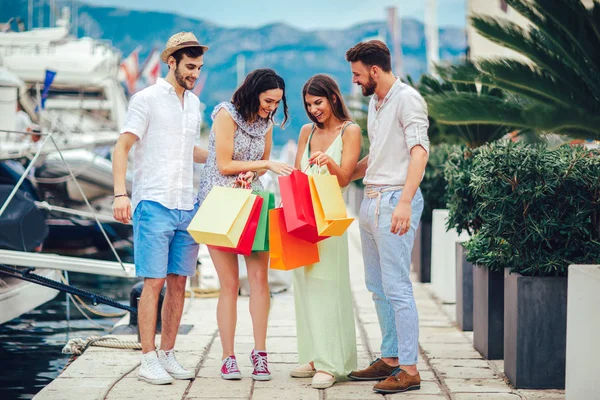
x,y
295,54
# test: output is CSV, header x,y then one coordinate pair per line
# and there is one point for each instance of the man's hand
x,y
401,218
122,209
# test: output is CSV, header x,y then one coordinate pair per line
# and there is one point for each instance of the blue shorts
x,y
161,242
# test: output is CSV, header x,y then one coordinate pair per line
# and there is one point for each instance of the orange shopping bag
x,y
330,209
287,251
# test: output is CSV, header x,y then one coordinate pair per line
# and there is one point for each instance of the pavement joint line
x,y
438,378
436,373
201,362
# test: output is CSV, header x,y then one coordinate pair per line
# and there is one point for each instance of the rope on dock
x,y
78,346
202,293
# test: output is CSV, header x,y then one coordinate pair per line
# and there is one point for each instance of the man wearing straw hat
x,y
162,122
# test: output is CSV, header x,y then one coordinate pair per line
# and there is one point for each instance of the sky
x,y
303,14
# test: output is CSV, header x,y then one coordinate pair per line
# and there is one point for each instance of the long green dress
x,y
323,298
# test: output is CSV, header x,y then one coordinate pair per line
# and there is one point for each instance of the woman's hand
x,y
320,159
280,168
244,179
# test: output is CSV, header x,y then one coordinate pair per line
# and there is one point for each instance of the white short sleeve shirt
x,y
164,154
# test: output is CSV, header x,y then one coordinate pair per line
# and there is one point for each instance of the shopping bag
x,y
222,217
286,251
328,204
298,208
244,246
261,240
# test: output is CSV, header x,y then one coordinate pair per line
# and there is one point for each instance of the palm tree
x,y
556,90
473,135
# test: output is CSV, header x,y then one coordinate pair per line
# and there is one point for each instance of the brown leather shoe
x,y
378,370
399,382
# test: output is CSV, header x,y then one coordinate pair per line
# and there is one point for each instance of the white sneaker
x,y
152,372
171,365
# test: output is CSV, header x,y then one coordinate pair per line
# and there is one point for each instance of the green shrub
x,y
461,200
433,185
540,208
484,250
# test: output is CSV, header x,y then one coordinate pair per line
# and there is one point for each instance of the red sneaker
x,y
230,370
261,366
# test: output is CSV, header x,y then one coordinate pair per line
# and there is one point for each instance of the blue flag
x,y
47,83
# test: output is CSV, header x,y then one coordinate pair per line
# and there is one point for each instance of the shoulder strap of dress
x,y
310,137
347,125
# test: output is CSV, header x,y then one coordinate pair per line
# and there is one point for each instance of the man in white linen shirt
x,y
162,122
390,212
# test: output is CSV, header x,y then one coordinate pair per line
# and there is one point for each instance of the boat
x,y
62,171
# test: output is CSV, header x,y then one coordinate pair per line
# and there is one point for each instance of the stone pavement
x,y
449,366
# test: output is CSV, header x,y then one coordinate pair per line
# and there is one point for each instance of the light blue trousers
x,y
387,260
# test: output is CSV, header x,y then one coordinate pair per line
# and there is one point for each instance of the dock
x,y
449,366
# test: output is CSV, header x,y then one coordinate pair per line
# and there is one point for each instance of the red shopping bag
x,y
244,246
298,207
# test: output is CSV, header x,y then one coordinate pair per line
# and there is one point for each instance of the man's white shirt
x,y
164,153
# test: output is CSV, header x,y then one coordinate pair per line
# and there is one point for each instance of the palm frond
x,y
570,17
557,20
594,18
465,73
530,44
467,109
521,78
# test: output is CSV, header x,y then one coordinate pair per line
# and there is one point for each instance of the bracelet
x,y
255,178
120,195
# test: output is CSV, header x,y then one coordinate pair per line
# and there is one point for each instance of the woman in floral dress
x,y
239,148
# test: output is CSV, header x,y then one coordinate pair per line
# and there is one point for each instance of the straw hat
x,y
179,41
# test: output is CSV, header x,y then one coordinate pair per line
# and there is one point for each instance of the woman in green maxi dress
x,y
323,298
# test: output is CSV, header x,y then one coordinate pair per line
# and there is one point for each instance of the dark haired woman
x,y
324,310
239,148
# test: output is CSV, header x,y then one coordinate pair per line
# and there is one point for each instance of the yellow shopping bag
x,y
330,209
221,218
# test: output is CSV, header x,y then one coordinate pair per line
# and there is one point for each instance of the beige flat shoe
x,y
303,371
322,380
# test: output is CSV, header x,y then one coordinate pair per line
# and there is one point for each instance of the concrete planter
x,y
583,332
443,257
535,331
464,290
421,254
488,312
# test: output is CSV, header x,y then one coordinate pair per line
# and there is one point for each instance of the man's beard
x,y
182,81
369,88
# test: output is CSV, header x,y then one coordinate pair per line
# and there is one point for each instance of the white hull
x,y
19,297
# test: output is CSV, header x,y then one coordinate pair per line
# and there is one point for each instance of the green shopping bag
x,y
261,240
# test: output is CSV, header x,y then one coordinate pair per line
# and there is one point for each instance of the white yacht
x,y
86,94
